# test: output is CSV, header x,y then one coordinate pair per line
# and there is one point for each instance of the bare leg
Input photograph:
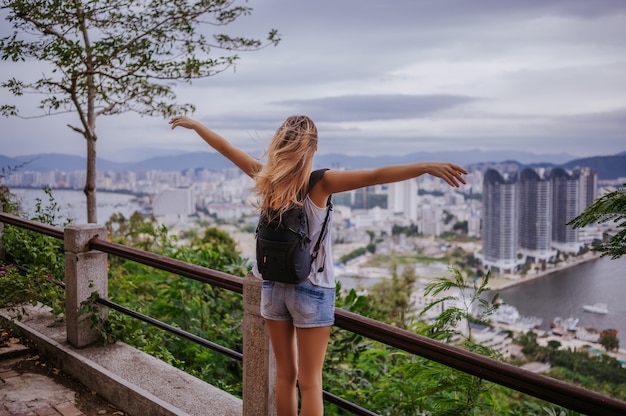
x,y
283,339
312,344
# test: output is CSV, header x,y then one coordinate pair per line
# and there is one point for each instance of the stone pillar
x,y
2,256
259,367
85,273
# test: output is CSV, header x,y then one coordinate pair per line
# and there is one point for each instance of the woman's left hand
x,y
449,172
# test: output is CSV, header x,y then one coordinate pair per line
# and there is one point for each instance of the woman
x,y
299,316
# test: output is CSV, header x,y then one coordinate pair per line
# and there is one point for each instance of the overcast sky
x,y
391,78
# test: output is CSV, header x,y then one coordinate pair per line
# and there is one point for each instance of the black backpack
x,y
283,246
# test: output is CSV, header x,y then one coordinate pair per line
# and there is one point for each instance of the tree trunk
x,y
90,181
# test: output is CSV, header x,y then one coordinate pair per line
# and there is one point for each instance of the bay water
x,y
563,294
73,204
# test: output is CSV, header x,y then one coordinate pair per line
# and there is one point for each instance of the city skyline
x,y
390,79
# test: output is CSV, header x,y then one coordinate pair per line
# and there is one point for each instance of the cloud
x,y
392,78
375,107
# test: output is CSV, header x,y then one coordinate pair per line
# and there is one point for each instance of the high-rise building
x,y
402,199
528,217
174,205
360,198
500,221
588,181
565,207
535,215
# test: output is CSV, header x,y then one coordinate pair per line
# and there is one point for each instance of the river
x,y
563,294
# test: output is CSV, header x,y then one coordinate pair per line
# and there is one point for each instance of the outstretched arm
x,y
249,165
335,181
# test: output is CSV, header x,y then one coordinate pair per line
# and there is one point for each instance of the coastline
x,y
503,281
568,341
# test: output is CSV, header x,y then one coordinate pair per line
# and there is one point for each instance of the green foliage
x,y
382,260
248,228
460,393
601,368
559,412
609,341
389,299
353,254
461,227
211,313
33,262
469,294
392,382
409,230
600,373
608,208
19,287
554,345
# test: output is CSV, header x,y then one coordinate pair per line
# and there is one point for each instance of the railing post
x,y
1,231
259,367
85,273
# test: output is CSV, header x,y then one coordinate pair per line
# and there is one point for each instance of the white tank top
x,y
316,217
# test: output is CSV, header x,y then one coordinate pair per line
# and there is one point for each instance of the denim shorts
x,y
306,304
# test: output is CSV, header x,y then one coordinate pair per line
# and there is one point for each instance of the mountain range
x,y
608,167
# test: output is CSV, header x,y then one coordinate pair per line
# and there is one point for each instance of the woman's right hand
x,y
182,121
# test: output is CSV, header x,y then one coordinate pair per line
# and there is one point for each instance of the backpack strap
x,y
316,175
329,208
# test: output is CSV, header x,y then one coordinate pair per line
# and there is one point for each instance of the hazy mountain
x,y
461,157
54,161
609,167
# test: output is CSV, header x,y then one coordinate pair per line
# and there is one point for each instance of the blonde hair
x,y
283,181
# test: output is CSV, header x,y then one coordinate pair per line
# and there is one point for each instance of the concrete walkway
x,y
130,379
31,387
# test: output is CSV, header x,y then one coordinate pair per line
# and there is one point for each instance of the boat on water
x,y
597,308
509,314
588,334
562,326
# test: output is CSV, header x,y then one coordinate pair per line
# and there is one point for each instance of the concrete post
x,y
2,255
85,273
259,367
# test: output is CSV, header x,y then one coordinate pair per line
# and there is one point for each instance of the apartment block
x,y
525,217
500,225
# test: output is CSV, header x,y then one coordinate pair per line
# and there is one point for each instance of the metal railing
x,y
546,388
